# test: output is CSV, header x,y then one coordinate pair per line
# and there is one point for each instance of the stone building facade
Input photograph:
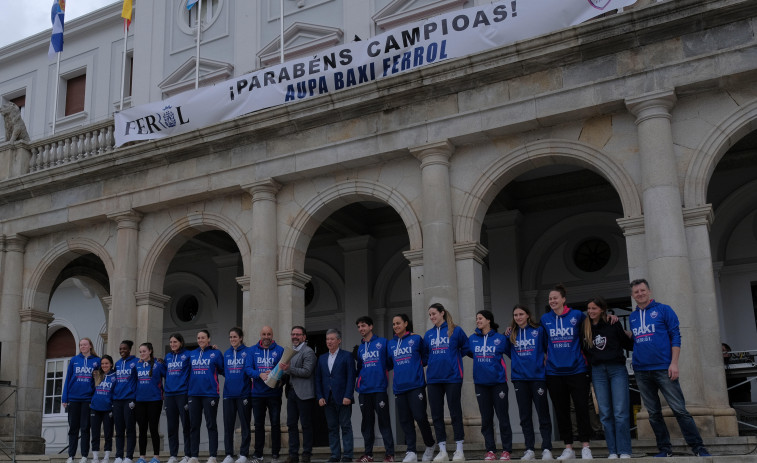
x,y
621,148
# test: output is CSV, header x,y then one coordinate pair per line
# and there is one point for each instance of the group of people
x,y
563,354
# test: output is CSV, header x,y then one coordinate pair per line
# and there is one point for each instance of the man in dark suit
x,y
334,386
300,393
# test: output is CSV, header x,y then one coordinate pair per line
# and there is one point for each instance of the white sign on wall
x,y
444,37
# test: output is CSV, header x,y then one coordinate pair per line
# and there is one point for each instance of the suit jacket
x,y
339,383
301,373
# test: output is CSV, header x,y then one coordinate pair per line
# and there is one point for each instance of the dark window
x,y
187,308
592,255
19,101
75,88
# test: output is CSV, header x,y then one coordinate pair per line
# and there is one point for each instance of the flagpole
x,y
57,86
197,53
123,66
281,29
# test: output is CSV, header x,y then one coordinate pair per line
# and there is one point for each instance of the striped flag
x,y
190,4
126,12
56,16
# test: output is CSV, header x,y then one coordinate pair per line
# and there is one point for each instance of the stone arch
x,y
538,154
730,212
387,276
712,150
39,288
153,271
318,208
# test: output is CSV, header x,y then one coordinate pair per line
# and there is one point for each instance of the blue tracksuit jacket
x,y
150,383
487,351
178,367
444,354
406,355
126,379
80,385
372,364
102,400
527,355
655,332
564,355
206,366
262,360
237,384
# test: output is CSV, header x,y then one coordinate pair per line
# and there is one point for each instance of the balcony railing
x,y
91,141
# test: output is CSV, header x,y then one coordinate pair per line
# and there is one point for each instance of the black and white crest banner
x,y
440,38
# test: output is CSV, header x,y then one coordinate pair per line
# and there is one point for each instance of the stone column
x,y
358,283
470,260
439,279
31,380
228,289
633,230
263,282
504,271
697,221
150,307
244,285
10,305
665,242
123,321
419,315
291,289
107,302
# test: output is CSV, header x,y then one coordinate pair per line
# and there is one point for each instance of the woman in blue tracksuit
x,y
124,401
77,395
150,374
567,371
527,348
101,408
409,385
486,346
236,396
445,344
207,364
178,366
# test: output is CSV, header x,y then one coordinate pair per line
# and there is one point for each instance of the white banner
x,y
415,45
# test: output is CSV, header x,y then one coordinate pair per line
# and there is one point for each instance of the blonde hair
x,y
514,328
91,346
599,302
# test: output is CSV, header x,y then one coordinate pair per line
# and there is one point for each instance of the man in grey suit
x,y
300,395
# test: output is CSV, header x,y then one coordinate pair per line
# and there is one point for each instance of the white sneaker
x,y
546,454
442,456
612,456
172,460
106,457
625,455
127,460
457,456
95,459
567,454
83,460
70,460
529,455
410,457
275,459
212,460
241,459
428,454
118,460
184,460
193,460
586,454
228,459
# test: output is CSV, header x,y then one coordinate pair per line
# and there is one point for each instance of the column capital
x,y
35,316
434,153
244,282
700,215
414,256
471,250
263,189
357,243
152,299
15,243
631,225
126,219
652,105
108,301
292,277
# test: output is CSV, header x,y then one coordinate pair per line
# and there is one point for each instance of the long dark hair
x,y
152,356
99,374
487,314
407,320
180,338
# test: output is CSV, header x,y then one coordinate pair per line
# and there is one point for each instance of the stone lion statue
x,y
15,129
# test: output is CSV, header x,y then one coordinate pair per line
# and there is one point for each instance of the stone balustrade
x,y
93,140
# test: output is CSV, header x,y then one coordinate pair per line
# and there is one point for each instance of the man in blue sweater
x,y
372,365
657,346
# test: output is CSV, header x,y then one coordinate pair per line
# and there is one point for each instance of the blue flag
x,y
190,4
56,16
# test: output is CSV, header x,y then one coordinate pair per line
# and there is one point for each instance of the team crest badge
x,y
420,396
183,357
132,365
382,404
535,333
653,314
244,354
411,343
94,365
540,391
378,345
600,342
573,321
168,117
501,394
497,342
599,4
274,355
212,355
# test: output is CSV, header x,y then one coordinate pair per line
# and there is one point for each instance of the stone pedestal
x,y
150,308
420,314
14,159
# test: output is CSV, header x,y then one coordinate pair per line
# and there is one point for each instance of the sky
x,y
23,18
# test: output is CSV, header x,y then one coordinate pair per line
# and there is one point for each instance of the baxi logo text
x,y
440,341
484,349
402,351
561,332
157,122
643,329
200,362
523,343
370,355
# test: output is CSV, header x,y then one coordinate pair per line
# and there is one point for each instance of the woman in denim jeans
x,y
604,344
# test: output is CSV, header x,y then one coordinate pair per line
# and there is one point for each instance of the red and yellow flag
x,y
126,12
